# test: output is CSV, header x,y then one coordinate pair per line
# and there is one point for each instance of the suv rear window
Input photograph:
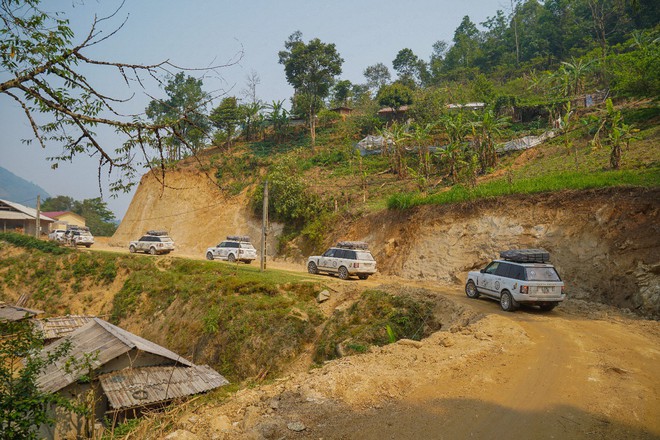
x,y
542,274
365,256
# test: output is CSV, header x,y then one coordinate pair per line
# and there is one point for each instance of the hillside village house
x,y
64,218
343,111
128,374
15,217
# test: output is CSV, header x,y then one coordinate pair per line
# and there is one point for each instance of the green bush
x,y
377,318
29,242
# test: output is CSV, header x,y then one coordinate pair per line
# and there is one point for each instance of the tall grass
x,y
546,183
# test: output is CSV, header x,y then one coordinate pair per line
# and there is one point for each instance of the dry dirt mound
x,y
193,209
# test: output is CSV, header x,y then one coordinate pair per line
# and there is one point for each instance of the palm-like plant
x,y
421,137
484,130
279,118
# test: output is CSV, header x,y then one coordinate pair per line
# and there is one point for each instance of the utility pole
x,y
264,227
38,223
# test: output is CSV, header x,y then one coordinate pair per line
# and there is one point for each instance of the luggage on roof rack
x,y
157,233
353,245
239,238
526,255
76,228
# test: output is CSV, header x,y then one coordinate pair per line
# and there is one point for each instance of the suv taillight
x,y
524,289
356,264
562,290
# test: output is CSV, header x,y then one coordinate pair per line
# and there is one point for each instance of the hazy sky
x,y
201,33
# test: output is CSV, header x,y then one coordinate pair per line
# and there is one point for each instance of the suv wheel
x,y
152,250
131,249
363,276
311,268
343,273
507,302
471,290
209,256
547,307
231,258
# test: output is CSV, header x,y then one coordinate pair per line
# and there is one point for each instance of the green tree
x,y
411,69
395,95
311,69
615,132
342,92
46,72
466,47
185,112
226,117
58,203
278,119
377,76
23,406
250,116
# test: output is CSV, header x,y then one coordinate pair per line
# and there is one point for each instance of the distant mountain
x,y
16,189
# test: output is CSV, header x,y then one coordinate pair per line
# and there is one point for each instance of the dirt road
x,y
580,371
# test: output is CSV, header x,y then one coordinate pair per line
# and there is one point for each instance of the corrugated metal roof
x,y
31,212
15,313
146,385
60,326
97,336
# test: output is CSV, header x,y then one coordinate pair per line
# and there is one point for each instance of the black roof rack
x,y
157,233
526,255
76,228
353,245
239,238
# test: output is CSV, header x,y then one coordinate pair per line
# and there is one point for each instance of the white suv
x,y
521,276
78,236
346,259
236,247
154,242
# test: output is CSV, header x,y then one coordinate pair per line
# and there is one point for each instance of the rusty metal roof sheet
x,y
60,326
97,336
15,313
146,385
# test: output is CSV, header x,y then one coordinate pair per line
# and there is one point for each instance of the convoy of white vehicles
x,y
523,276
73,236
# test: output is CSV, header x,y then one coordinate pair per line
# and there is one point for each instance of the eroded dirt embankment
x,y
195,212
604,242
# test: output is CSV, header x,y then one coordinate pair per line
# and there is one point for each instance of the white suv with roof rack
x,y
234,248
523,276
154,242
78,236
346,259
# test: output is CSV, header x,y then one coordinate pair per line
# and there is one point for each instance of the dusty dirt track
x,y
571,374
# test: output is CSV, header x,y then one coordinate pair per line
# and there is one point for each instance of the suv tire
x,y
363,276
471,290
231,258
209,256
343,273
507,302
152,250
131,249
311,268
547,307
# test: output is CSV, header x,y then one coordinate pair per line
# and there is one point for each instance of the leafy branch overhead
x,y
45,66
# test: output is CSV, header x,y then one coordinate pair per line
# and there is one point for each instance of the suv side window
x,y
504,270
330,253
144,238
491,268
341,253
233,244
517,272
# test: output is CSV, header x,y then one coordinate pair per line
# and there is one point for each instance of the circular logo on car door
x,y
497,285
334,264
